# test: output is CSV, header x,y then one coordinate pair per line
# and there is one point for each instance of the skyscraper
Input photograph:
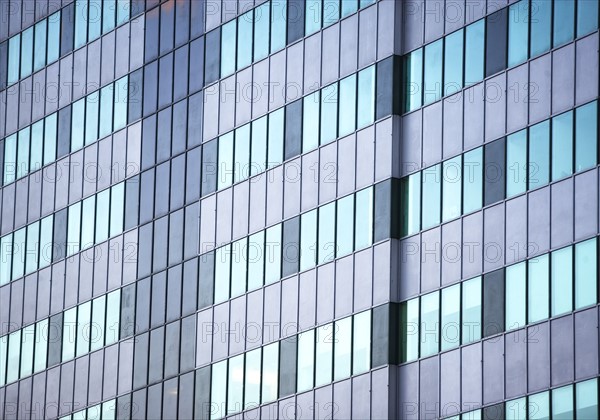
x,y
301,209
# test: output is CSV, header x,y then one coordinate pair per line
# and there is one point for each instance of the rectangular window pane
x,y
235,384
84,313
413,80
238,267
3,354
18,264
10,158
562,281
452,188
27,343
102,216
540,13
46,241
313,16
342,348
26,52
586,130
324,362
218,390
516,163
331,11
95,19
518,25
109,10
41,346
252,380
363,225
453,62
306,360
106,111
430,306
450,333
432,184
14,55
242,153
366,97
586,396
270,372
123,10
228,32
308,240
225,168
587,16
6,249
50,139
117,206
310,122
433,72
14,352
53,37
278,24
262,19
23,153
37,148
562,403
471,310
275,152
121,102
81,22
539,406
32,250
347,112
516,409
329,107
327,246
68,334
474,52
113,308
89,216
409,330
273,254
349,7
538,288
256,260
564,17
98,329
516,282
586,273
539,155
345,226
222,273
361,343
259,146
244,47
74,228
39,58
411,197
562,145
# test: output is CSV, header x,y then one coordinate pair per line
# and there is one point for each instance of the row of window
x,y
576,401
315,237
319,118
63,337
104,411
546,286
296,364
504,39
92,117
548,151
96,17
62,234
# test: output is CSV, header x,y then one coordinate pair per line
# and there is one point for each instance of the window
x,y
225,168
587,17
102,216
113,312
310,122
586,397
474,52
3,353
222,272
228,32
347,103
218,390
259,146
453,62
239,268
324,355
235,384
342,348
411,197
39,57
471,310
345,226
262,18
278,24
18,264
306,360
77,124
87,228
46,241
586,136
562,281
50,138
106,111
450,326
81,22
516,163
273,254
308,240
409,330
109,14
121,101
117,201
27,344
518,22
27,52
68,334
244,47
516,409
327,247
91,117
363,226
270,372
84,313
430,323
98,316
431,196
242,153
366,97
74,228
53,37
413,71
539,406
349,7
252,379
37,141
564,17
122,11
14,52
313,16
256,260
6,249
14,352
95,19
41,347
433,72
331,11
329,118
10,158
586,273
452,188
562,402
540,13
275,152
32,249
516,283
538,288
23,153
562,145
361,343
539,155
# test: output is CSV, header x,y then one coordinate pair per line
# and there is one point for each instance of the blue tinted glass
x,y
106,111
53,37
516,163
46,241
95,19
586,397
349,7
39,58
450,317
14,352
539,404
74,228
84,313
117,199
409,327
109,10
244,47
23,153
252,379
471,310
562,145
329,107
310,122
275,152
239,267
538,288
342,348
77,124
32,249
50,139
222,273
430,312
14,53
324,355
256,260
540,12
366,97
41,346
81,22
225,168
564,17
432,181
345,226
228,48
453,65
586,130
347,112
518,25
331,11
273,254
6,249
102,215
10,158
562,403
433,72
452,188
413,80
218,390
474,52
262,18
586,272
361,343
18,263
242,153
363,224
92,112
326,233
306,361
87,229
411,208
235,384
121,102
27,343
539,155
259,146
587,16
562,281
123,11
270,372
313,16
516,283
37,145
278,24
27,52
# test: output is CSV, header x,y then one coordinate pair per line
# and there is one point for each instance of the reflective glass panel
x,y
411,207
244,47
87,228
452,188
474,52
516,409
430,306
228,34
587,16
471,310
564,17
278,24
218,390
242,153
331,11
586,272
37,145
256,260
342,348
345,226
453,62
10,158
562,403
102,215
324,355
310,122
363,226
46,241
95,19
68,334
32,250
262,17
539,406
259,146
516,163
349,7
432,196
329,107
235,384
109,10
538,288
6,249
273,254
361,343
18,264
27,343
27,52
562,281
50,138
23,153
586,131
313,16
252,376
518,23
413,80
306,361
113,311
53,37
409,330
562,145
84,313
308,240
539,155
327,247
77,124
97,330
74,228
270,372
81,14
39,57
586,397
433,72
239,267
540,12
366,97
106,111
450,328
14,352
14,54
347,111
275,152
117,207
225,168
222,273
41,346
516,285
92,104
121,103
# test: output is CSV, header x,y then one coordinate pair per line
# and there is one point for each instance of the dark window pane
x,y
494,172
213,56
151,35
293,129
493,303
287,367
295,20
167,17
496,35
291,246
